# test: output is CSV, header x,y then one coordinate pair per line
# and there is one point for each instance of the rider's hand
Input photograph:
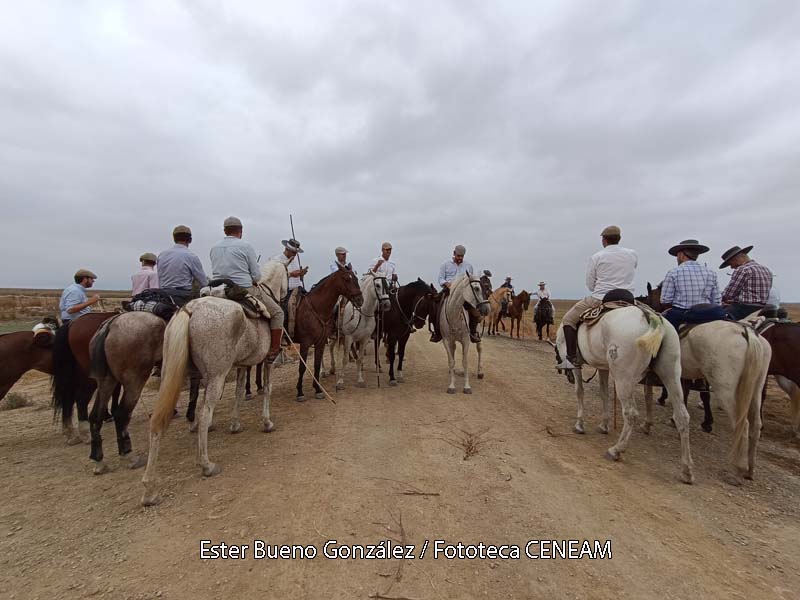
x,y
94,299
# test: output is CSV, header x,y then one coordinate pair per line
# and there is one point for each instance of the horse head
x,y
526,299
381,287
347,285
475,296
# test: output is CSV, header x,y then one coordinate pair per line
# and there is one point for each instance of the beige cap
x,y
611,230
181,229
81,273
148,256
340,250
232,222
386,246
460,250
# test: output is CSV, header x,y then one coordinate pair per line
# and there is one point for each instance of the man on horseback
x,y
234,259
146,277
504,302
448,272
543,292
688,284
291,249
750,283
341,260
611,268
179,268
74,301
383,265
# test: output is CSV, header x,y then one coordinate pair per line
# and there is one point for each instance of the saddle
x,y
611,301
225,288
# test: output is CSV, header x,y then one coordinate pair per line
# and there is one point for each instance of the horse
x,y
454,324
734,360
626,343
22,351
357,324
215,335
122,352
516,310
543,314
410,305
784,339
494,317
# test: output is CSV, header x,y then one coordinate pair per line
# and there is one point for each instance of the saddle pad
x,y
592,316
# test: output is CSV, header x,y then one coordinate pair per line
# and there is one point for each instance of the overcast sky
x,y
519,129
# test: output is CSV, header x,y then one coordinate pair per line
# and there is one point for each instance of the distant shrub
x,y
14,400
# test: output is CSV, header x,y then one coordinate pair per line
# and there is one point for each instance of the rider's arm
x,y
442,275
591,274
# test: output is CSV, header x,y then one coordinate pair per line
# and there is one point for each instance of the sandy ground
x,y
390,463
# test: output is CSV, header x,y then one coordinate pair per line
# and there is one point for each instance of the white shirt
x,y
612,268
541,294
294,265
450,271
388,268
336,264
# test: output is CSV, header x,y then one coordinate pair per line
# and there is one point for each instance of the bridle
x,y
408,321
478,301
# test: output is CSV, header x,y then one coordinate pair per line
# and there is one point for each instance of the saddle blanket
x,y
252,306
593,315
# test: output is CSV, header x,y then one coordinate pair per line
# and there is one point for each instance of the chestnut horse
x,y
516,310
21,351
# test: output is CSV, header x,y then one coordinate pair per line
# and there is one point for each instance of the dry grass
x,y
471,443
14,400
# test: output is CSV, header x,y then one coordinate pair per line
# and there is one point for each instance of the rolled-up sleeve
x,y
737,280
442,275
591,274
252,263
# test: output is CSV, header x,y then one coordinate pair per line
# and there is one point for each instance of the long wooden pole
x,y
291,223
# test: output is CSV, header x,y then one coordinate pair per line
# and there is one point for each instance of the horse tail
x,y
64,382
173,370
746,388
651,340
98,362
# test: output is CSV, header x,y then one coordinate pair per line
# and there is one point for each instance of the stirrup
x,y
567,365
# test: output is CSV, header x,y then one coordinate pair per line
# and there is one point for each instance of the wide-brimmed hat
x,y
542,283
508,277
487,272
148,256
81,273
293,245
688,245
731,252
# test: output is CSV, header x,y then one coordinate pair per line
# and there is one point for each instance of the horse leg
x,y
122,417
214,388
343,366
260,377
579,395
194,392
83,398
680,417
479,348
464,356
319,353
648,409
267,424
401,345
332,355
114,400
754,432
241,375
450,347
96,419
248,394
708,416
662,399
301,369
391,342
629,413
603,375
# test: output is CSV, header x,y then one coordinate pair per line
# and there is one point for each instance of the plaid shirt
x,y
688,284
750,284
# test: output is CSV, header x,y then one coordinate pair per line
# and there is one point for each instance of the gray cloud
x,y
518,129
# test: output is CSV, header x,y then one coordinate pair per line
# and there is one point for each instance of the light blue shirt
x,y
178,267
235,259
73,295
450,271
690,283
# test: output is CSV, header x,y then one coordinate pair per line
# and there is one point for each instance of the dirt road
x,y
390,463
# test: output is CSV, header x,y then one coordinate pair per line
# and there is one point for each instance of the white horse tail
x,y
746,388
173,370
651,340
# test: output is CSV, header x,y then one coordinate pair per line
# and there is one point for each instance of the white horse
x,y
357,324
454,325
734,360
216,335
625,344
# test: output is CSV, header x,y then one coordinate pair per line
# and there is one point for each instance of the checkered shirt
x,y
690,283
750,284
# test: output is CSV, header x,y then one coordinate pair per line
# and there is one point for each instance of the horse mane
x,y
418,285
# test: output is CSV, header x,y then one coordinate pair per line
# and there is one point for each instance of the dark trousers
x,y
675,316
739,310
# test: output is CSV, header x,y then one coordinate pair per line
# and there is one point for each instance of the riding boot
x,y
275,344
433,320
571,339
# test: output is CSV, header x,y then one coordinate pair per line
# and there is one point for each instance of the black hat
x,y
688,245
729,254
293,245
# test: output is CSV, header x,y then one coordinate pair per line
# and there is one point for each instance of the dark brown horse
x,y
22,351
544,315
314,320
410,305
516,310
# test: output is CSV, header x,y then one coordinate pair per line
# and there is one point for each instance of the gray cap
x,y
148,256
81,273
232,222
459,250
181,229
340,250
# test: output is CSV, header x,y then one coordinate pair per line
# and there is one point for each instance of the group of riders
x,y
178,275
689,290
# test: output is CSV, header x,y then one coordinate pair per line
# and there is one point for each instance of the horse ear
x,y
649,288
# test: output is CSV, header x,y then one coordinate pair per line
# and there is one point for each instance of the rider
x,y
383,265
341,260
611,268
146,278
750,283
543,292
74,301
234,259
291,248
504,302
448,272
179,268
688,284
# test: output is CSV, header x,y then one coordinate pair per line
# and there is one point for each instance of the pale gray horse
x,y
626,343
356,326
216,335
124,350
454,325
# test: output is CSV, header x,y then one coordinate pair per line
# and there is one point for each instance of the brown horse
x,y
516,310
784,338
314,320
22,351
410,306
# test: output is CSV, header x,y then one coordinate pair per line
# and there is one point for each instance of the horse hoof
x,y
480,375
137,462
400,379
732,479
467,390
705,427
339,387
301,398
611,456
151,500
319,396
749,475
212,470
193,427
248,396
74,440
392,383
661,402
268,427
603,429
100,468
361,384
260,391
211,428
580,429
451,390
687,478
236,428
645,429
